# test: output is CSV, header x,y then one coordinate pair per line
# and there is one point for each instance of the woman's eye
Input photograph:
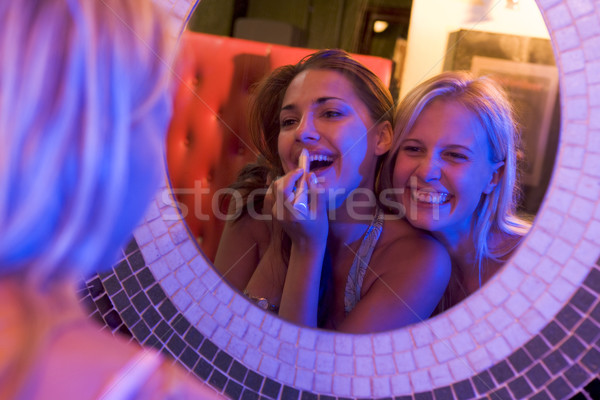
x,y
412,149
287,122
457,156
332,114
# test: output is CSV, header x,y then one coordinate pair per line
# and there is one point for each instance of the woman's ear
x,y
497,171
385,133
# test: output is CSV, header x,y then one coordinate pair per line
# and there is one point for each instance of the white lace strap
x,y
361,262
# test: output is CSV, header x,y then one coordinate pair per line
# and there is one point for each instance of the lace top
x,y
361,262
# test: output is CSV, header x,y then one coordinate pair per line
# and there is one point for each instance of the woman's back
x,y
51,349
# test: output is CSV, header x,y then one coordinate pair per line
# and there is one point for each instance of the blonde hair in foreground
x,y
83,113
496,211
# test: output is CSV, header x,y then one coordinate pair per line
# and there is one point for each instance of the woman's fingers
x,y
285,192
317,196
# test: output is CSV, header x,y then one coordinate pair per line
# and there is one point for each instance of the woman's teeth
x,y
429,197
319,157
318,161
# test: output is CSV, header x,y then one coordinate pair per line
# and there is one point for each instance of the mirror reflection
x,y
520,61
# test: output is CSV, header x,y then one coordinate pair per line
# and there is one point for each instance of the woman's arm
x,y
239,250
414,276
294,287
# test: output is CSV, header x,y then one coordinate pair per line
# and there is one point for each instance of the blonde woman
x,y
453,166
83,113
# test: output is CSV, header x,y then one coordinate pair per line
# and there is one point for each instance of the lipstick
x,y
301,200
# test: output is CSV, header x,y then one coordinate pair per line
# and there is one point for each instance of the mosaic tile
x,y
167,309
381,387
163,331
217,379
304,379
141,331
592,281
401,340
483,382
136,261
203,369
382,344
441,375
111,284
289,393
520,388
502,372
572,348
543,395
233,389
555,362
151,317
591,361
130,316
140,302
189,357
156,294
404,361
463,390
344,365
271,388
249,395
423,396
420,380
576,376
588,331
514,335
180,325
559,388
112,319
568,317
497,348
176,345
208,350
194,338
253,380
501,394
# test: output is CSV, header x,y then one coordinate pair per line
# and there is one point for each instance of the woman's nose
x,y
306,130
429,169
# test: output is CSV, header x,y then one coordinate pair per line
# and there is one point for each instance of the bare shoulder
x,y
405,280
408,256
401,241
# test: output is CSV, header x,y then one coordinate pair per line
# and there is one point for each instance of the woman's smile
x,y
444,165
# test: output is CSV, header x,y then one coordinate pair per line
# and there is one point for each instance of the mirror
x,y
529,331
509,41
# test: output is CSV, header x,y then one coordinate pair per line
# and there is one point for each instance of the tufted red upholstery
x,y
208,142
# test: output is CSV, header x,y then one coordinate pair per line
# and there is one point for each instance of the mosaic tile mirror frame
x,y
533,331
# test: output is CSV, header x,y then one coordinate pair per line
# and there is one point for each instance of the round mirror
x,y
530,330
209,141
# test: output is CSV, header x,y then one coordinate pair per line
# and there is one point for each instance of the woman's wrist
x,y
262,302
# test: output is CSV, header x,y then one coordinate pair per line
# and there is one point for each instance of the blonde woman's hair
x,y
484,97
83,114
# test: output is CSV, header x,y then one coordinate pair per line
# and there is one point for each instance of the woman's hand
x,y
306,228
308,232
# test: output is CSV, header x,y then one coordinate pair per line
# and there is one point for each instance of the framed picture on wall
x,y
532,88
